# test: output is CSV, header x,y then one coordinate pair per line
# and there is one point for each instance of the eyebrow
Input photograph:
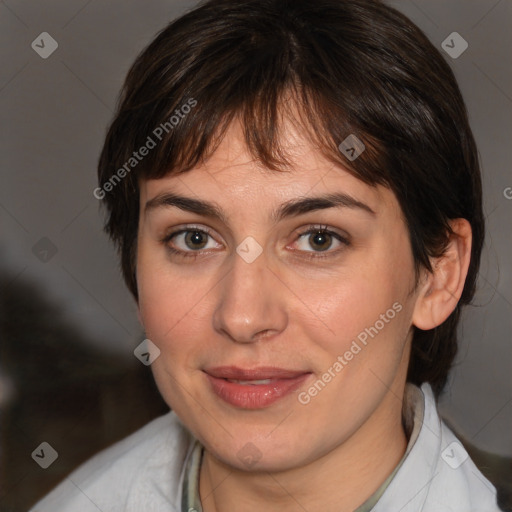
x,y
291,208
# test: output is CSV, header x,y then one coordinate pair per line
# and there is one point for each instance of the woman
x,y
295,193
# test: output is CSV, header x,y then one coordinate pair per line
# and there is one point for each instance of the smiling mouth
x,y
253,388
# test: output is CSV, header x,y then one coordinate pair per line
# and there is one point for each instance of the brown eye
x,y
196,239
321,240
190,242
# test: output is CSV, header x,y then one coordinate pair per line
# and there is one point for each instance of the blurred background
x,y
68,326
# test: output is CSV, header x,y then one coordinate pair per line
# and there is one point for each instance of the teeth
x,y
250,382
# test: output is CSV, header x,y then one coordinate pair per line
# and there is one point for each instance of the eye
x,y
321,239
190,241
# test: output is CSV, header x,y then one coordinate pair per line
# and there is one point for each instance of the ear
x,y
441,289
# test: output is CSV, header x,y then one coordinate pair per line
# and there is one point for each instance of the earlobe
x,y
442,288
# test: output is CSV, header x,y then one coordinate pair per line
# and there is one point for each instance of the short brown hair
x,y
353,67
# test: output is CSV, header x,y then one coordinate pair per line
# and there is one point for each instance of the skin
x,y
289,310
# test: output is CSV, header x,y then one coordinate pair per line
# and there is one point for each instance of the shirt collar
x,y
413,412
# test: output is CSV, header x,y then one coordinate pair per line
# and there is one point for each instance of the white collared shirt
x,y
151,471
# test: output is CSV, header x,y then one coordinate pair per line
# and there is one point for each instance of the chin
x,y
264,455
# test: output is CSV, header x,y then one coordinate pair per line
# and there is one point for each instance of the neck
x,y
340,480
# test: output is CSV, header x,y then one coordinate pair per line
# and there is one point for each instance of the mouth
x,y
253,388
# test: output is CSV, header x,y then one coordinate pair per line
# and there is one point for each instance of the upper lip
x,y
263,372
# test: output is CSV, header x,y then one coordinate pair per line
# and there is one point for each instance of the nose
x,y
250,305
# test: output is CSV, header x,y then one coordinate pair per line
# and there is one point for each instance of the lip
x,y
254,396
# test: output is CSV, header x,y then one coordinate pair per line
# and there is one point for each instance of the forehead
x,y
233,176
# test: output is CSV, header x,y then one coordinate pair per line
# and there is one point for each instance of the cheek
x,y
163,300
173,308
166,311
369,305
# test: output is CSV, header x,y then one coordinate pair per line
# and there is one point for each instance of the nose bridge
x,y
247,304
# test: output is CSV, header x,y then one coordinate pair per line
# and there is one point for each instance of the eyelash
x,y
313,229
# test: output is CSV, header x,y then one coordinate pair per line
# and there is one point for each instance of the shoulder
x,y
457,483
438,475
142,472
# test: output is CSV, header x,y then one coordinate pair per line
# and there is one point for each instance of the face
x,y
283,323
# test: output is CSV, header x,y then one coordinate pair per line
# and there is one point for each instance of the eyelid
x,y
176,230
324,228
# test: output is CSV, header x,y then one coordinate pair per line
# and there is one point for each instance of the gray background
x,y
54,115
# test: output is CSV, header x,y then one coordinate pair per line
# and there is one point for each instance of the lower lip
x,y
254,396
